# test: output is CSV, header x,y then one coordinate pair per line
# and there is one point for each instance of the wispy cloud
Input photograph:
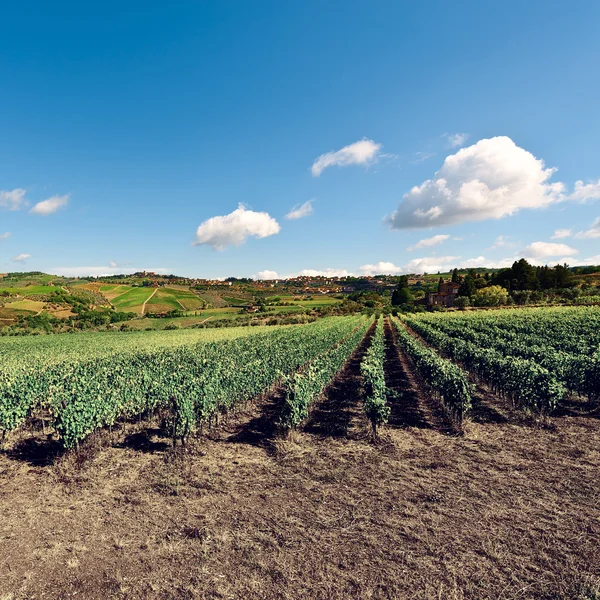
x,y
21,257
301,211
13,199
5,236
235,228
586,191
592,233
436,240
50,206
363,152
456,140
422,157
560,234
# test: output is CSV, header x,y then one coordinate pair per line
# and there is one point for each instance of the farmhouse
x,y
445,296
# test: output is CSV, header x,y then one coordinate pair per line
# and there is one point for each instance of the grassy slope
x,y
132,300
29,290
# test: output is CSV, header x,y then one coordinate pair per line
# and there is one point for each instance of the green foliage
x,y
85,393
528,384
493,295
565,342
371,370
445,379
304,387
467,287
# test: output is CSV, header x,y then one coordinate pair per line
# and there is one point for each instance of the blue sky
x,y
135,127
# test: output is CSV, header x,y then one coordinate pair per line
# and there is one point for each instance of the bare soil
x,y
508,510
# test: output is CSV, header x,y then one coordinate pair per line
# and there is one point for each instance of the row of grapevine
x,y
580,373
446,380
372,372
87,394
529,385
575,330
304,387
34,369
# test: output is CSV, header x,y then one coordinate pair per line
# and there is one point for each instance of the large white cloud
x,y
592,233
363,152
488,180
235,228
429,242
50,206
13,199
547,250
298,212
21,257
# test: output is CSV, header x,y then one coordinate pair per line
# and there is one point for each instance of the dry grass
x,y
506,511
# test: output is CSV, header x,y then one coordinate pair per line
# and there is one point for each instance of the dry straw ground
x,y
508,510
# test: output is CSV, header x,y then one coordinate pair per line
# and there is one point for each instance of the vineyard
x,y
226,451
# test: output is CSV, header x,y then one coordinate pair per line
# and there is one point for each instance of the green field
x,y
109,288
132,299
30,290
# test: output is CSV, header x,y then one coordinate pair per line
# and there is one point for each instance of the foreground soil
x,y
507,510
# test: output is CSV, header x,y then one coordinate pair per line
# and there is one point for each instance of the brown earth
x,y
508,510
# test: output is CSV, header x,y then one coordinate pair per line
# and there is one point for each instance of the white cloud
x,y
428,242
50,206
503,241
547,249
113,264
433,264
422,157
13,200
381,268
592,233
592,260
364,152
560,234
101,271
5,236
586,191
488,180
298,212
481,261
266,275
235,228
456,140
322,273
430,264
21,257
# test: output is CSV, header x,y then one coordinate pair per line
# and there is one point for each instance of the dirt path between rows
x,y
148,299
339,413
